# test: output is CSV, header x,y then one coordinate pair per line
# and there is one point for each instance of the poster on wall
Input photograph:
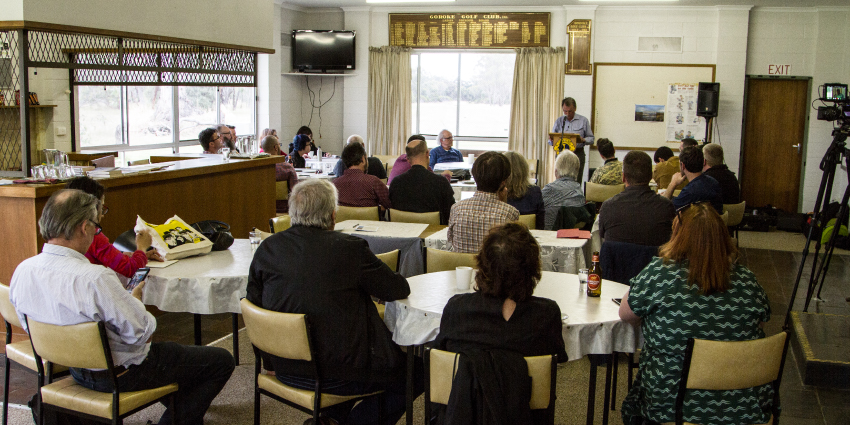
x,y
681,117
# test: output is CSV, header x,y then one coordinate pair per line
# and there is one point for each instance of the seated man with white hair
x,y
566,190
375,167
351,342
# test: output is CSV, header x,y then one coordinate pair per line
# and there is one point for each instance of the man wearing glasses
x,y
701,188
61,287
210,140
228,136
445,152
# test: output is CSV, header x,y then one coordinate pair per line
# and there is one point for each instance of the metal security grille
x,y
10,114
103,60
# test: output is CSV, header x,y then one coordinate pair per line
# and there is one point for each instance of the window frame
x,y
175,143
460,140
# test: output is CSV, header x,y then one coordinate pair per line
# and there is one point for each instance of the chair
x,y
736,215
575,217
139,162
621,261
532,168
287,335
732,365
437,260
725,218
599,193
412,217
529,220
390,259
20,352
281,191
356,213
441,367
86,346
280,223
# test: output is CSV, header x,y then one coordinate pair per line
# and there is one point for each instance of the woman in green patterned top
x,y
694,290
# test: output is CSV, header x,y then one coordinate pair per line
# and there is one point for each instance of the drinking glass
x,y
254,237
225,153
582,279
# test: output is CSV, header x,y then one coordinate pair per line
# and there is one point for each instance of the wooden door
x,y
775,117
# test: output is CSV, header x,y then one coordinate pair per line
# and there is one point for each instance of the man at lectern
x,y
571,122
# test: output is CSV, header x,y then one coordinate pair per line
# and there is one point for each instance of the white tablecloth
x,y
557,255
593,325
208,284
466,187
384,229
453,166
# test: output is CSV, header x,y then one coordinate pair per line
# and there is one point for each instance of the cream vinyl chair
x,y
437,260
732,365
86,346
20,352
280,223
412,217
441,367
529,220
391,260
356,213
288,336
599,193
736,215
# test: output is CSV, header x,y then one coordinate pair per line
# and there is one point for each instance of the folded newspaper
x,y
175,239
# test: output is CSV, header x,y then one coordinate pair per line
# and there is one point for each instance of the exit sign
x,y
779,70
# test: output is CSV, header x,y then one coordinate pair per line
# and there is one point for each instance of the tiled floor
x,y
776,270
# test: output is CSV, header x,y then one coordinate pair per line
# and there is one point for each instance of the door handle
x,y
797,146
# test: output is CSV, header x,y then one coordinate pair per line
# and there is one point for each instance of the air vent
x,y
660,44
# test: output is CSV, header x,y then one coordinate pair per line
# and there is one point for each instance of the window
x,y
468,93
138,121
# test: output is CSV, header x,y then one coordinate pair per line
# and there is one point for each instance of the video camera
x,y
840,108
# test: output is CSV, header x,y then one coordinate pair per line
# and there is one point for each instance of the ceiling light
x,y
411,1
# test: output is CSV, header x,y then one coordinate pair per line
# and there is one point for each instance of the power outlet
x,y
61,130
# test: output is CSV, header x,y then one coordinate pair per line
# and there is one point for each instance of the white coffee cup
x,y
471,158
463,277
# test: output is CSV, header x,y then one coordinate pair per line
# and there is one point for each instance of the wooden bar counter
x,y
239,192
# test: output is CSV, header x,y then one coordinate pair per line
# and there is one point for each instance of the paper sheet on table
x,y
573,234
161,264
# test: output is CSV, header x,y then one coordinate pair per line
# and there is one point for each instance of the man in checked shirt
x,y
472,218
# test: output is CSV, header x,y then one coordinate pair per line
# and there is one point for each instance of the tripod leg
x,y
828,164
840,218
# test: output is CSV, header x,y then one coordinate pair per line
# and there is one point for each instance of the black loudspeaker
x,y
708,99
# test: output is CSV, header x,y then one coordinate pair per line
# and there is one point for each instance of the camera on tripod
x,y
840,109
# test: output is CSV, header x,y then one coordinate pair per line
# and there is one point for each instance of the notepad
x,y
573,234
160,264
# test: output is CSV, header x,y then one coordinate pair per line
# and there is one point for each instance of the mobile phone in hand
x,y
138,277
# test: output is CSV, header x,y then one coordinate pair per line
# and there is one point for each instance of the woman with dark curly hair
x,y
502,313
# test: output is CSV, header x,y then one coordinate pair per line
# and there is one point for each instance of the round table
x,y
204,284
592,325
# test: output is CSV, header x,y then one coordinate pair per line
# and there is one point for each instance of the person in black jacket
x,y
352,345
418,189
502,315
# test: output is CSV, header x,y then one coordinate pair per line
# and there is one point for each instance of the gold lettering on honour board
x,y
578,54
469,30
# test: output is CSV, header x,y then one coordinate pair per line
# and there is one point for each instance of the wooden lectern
x,y
561,141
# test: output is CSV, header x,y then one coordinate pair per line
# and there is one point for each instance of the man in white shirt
x,y
61,287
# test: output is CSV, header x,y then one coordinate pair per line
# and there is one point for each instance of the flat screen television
x,y
322,51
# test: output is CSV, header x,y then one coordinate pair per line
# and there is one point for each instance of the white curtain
x,y
535,104
388,117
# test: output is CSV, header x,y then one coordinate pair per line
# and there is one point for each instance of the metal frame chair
x,y
86,346
437,260
287,335
357,213
441,367
412,217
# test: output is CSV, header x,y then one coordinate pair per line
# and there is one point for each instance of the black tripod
x,y
820,266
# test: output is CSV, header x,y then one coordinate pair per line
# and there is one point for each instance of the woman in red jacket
x,y
101,250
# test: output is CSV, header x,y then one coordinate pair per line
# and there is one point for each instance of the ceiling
x,y
558,3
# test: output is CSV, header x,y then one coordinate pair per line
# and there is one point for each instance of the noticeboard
x,y
469,30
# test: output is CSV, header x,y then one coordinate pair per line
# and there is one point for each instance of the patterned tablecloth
x,y
207,284
557,255
591,325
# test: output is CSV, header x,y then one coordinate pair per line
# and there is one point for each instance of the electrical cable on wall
x,y
314,106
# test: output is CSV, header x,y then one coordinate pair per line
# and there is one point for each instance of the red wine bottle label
x,y
593,281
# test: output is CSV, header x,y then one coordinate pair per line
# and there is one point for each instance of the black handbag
x,y
218,232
